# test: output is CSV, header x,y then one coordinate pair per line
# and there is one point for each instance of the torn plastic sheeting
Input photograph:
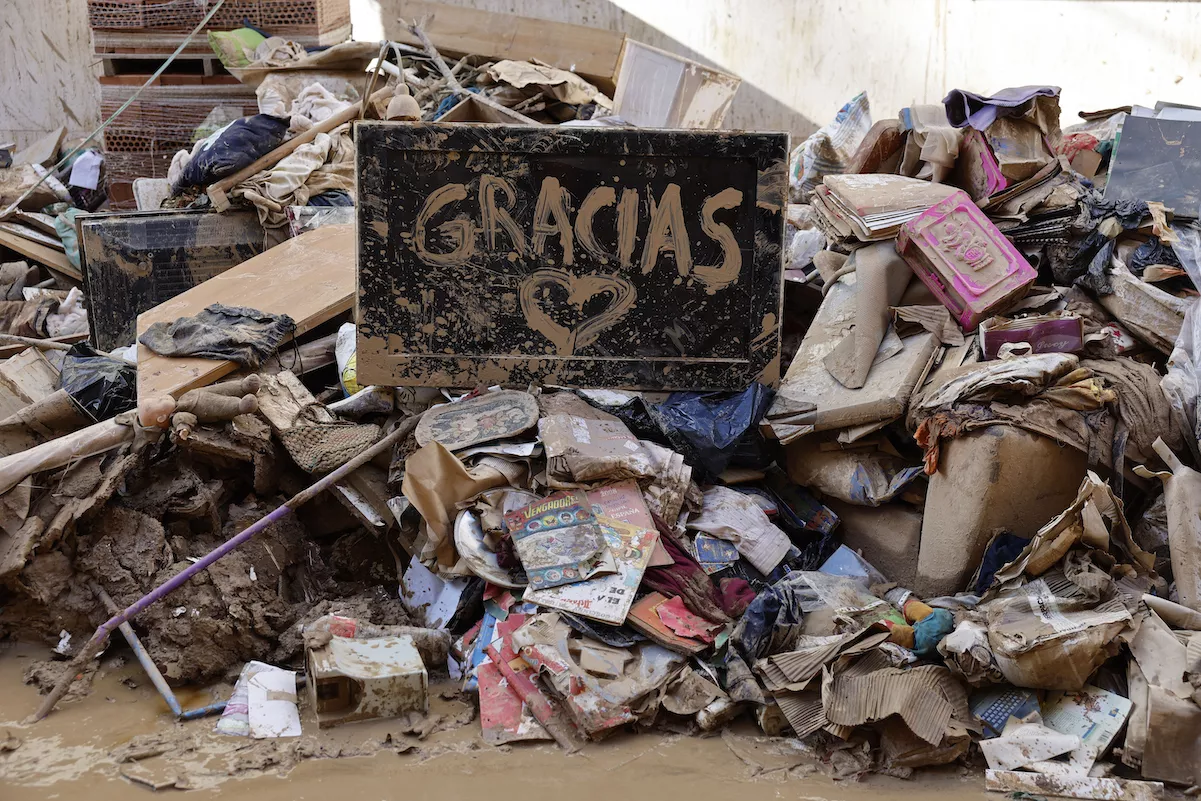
x,y
716,428
1053,643
102,387
232,148
856,475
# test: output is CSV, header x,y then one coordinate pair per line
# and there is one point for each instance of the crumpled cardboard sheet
x,y
564,86
1152,315
732,516
1182,496
1044,640
918,695
882,278
1094,518
810,399
582,450
434,482
597,705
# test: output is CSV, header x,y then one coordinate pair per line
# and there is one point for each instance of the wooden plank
x,y
579,256
33,235
456,31
8,351
283,398
40,253
310,278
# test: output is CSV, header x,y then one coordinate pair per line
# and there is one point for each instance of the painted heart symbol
x,y
580,289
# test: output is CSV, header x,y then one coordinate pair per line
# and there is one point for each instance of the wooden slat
x,y
310,278
455,31
40,253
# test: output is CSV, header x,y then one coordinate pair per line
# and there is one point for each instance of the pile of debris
x,y
965,521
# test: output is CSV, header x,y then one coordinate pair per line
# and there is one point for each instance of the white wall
x,y
800,59
46,73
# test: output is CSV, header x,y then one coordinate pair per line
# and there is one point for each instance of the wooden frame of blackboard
x,y
464,324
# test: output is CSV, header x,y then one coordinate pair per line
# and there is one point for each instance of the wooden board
x,y
543,287
133,262
456,31
310,278
50,257
658,89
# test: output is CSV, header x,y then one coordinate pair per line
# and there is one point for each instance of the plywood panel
x,y
310,278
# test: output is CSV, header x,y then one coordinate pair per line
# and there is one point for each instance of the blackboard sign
x,y
580,256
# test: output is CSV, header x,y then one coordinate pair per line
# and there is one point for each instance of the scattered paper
x,y
271,704
85,171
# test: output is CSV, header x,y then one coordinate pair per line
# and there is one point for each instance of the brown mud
x,y
120,741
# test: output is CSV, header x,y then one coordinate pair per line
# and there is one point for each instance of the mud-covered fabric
x,y
239,334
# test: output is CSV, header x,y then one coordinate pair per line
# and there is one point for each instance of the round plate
x,y
469,539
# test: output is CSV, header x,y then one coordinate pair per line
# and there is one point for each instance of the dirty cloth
x,y
829,150
1049,394
234,333
966,108
324,164
932,145
688,580
1142,406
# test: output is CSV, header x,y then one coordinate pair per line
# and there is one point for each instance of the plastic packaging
x,y
232,148
100,386
344,352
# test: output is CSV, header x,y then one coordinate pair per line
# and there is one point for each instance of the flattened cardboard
x,y
619,258
810,399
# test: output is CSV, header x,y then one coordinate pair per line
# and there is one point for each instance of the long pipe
x,y
139,650
96,644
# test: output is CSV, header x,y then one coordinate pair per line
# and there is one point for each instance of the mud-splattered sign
x,y
576,256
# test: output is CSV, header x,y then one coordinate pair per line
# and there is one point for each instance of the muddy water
x,y
119,739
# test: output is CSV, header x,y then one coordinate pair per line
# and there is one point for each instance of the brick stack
x,y
132,38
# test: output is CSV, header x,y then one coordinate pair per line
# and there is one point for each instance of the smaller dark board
x,y
1158,161
133,262
580,256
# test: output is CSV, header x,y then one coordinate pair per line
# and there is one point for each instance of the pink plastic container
x,y
968,264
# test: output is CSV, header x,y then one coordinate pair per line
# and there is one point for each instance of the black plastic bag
x,y
232,148
710,430
101,386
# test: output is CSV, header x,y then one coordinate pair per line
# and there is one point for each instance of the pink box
x,y
968,264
